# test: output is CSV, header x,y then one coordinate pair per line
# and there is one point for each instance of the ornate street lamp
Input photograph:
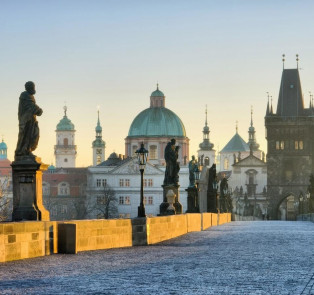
x,y
142,159
197,174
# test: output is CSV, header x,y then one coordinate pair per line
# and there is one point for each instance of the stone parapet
x,y
20,240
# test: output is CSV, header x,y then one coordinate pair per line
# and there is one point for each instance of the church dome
x,y
3,145
157,122
65,123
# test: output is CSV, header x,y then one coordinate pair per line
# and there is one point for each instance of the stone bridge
x,y
267,257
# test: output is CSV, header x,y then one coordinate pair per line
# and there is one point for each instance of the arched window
x,y
226,164
65,142
152,152
63,189
206,163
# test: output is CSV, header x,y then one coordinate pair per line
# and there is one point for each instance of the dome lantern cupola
x,y
157,99
206,145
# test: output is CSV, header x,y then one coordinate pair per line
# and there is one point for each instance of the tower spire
x,y
283,61
271,105
267,109
237,126
297,59
206,116
251,115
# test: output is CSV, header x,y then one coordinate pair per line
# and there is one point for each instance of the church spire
x,y
206,145
252,140
98,144
267,109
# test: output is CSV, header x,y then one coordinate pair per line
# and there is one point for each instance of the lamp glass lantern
x,y
142,154
197,174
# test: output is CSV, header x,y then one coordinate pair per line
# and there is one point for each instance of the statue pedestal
x,y
193,206
27,189
164,205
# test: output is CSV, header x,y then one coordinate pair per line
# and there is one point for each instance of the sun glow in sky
x,y
223,54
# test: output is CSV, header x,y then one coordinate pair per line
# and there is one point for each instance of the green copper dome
x,y
65,124
157,93
157,122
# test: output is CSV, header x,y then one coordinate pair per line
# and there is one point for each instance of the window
x,y
101,182
148,200
63,189
124,200
153,152
124,182
150,182
145,182
98,160
65,142
65,160
280,145
226,164
121,200
298,145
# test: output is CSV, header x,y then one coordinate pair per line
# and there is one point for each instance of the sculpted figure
x,y
172,166
192,168
28,125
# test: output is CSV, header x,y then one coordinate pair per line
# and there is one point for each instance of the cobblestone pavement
x,y
267,257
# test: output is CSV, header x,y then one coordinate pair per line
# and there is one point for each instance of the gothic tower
x,y
65,148
98,145
290,146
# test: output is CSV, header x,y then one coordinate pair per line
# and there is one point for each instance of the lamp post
x,y
308,195
215,188
142,159
197,174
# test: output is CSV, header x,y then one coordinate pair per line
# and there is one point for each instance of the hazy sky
x,y
226,54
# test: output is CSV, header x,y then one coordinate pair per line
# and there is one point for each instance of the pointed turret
x,y
290,101
252,140
206,145
98,145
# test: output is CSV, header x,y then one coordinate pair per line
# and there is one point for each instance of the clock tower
x,y
98,145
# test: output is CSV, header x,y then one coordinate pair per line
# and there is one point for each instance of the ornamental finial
x,y
297,59
283,61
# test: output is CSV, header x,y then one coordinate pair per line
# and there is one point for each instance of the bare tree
x,y
5,201
106,204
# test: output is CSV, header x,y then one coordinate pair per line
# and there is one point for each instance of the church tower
x,y
206,153
3,150
290,149
98,145
65,148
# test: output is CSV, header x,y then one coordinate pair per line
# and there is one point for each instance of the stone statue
x,y
172,165
28,125
192,169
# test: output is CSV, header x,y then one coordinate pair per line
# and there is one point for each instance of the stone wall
x,y
20,240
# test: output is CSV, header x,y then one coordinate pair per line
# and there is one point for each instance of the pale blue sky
x,y
226,54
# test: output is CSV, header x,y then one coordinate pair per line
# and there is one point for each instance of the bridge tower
x,y
290,144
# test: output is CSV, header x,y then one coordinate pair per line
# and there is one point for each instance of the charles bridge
x,y
195,255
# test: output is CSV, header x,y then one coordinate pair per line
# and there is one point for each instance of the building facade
x,y
290,147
